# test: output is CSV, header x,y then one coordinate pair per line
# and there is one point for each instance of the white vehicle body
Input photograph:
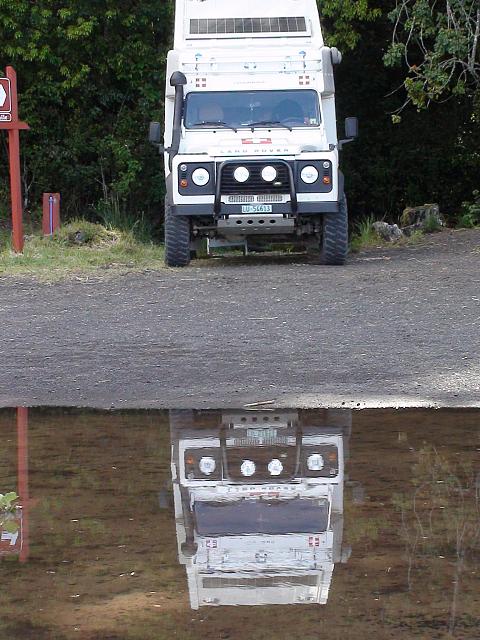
x,y
250,85
270,558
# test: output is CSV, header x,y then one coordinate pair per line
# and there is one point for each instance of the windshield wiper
x,y
267,123
214,123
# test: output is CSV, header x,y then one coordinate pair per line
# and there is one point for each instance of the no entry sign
x,y
5,100
11,536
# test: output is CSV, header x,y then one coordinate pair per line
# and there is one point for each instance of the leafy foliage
x,y
8,501
440,44
91,76
470,213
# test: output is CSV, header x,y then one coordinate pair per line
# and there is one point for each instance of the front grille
x,y
255,184
266,198
270,198
241,199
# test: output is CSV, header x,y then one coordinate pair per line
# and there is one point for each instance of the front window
x,y
267,517
237,109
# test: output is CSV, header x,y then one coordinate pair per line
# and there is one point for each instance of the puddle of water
x,y
255,524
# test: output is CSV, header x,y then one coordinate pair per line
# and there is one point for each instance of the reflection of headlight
x,y
207,466
241,174
200,177
309,175
315,462
269,174
275,467
248,468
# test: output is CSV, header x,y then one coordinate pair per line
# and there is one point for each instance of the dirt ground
x,y
395,327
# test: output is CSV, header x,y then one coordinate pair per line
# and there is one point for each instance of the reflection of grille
x,y
255,184
254,583
202,26
261,456
264,440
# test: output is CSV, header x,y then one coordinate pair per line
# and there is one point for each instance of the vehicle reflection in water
x,y
259,505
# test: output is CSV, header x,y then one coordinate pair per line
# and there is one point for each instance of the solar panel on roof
x,y
216,26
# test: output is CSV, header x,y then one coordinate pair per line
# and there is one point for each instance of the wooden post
x,y
13,126
23,484
51,213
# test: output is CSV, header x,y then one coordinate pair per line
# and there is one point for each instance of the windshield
x,y
272,517
236,109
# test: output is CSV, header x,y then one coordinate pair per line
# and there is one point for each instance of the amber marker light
x,y
327,180
184,183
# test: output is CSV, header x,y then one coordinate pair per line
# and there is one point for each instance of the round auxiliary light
x,y
200,177
326,165
241,174
269,174
207,466
248,468
315,462
309,175
275,467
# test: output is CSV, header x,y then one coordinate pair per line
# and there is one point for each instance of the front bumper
x,y
297,202
208,210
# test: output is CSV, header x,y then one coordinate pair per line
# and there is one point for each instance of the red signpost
x,y
9,121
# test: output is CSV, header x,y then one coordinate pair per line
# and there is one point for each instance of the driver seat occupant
x,y
288,110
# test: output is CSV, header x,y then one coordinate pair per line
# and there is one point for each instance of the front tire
x,y
335,235
177,239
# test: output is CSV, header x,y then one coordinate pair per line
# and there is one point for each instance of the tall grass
x,y
113,215
364,235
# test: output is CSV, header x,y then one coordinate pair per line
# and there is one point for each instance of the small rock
x,y
388,232
80,237
424,218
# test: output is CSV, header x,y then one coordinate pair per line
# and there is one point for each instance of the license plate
x,y
257,208
262,434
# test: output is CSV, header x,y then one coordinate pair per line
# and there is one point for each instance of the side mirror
x,y
336,56
351,132
155,133
351,128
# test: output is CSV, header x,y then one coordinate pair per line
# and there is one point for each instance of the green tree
x,y
91,76
439,43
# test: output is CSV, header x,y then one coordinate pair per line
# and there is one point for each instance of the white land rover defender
x,y
259,505
250,142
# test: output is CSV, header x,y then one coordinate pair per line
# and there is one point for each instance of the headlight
x,y
275,468
207,466
203,464
269,174
248,468
241,174
309,175
200,177
315,462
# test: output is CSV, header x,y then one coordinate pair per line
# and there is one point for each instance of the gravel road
x,y
395,327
